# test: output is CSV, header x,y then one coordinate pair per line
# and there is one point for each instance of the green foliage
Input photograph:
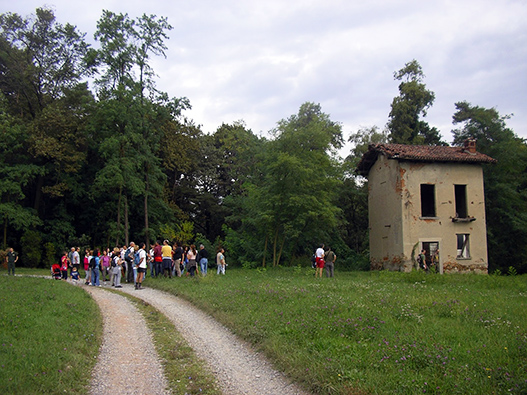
x,y
185,233
50,254
505,183
31,249
414,100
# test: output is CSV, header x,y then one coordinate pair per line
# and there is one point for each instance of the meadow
x,y
50,333
376,332
359,333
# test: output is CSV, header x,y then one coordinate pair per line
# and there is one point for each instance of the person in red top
x,y
158,259
64,265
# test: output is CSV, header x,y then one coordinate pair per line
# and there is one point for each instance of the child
x,y
64,266
75,275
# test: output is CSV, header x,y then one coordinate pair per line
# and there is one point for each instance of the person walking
x,y
166,252
129,261
192,264
117,264
178,258
141,266
203,259
329,260
105,265
158,259
87,269
11,259
64,266
94,265
76,260
220,261
319,259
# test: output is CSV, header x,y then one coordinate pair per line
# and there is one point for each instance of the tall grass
x,y
378,332
50,334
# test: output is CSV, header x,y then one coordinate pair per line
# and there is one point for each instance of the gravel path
x,y
127,362
239,370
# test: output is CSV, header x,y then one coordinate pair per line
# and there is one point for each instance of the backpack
x,y
114,261
314,261
93,263
129,251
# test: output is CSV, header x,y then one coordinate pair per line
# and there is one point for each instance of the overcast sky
x,y
258,61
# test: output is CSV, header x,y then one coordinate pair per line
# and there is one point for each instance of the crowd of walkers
x,y
133,263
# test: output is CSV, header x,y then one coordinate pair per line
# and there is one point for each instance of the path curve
x,y
239,369
127,361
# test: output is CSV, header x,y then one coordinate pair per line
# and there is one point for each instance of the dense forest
x,y
93,153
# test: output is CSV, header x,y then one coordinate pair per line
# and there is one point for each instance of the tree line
x,y
93,153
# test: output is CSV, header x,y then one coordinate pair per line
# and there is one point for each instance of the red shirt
x,y
158,255
64,261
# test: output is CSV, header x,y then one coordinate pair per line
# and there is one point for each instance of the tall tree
x,y
505,182
16,171
293,205
136,130
405,124
42,67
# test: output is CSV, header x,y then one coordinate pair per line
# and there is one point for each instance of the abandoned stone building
x,y
426,197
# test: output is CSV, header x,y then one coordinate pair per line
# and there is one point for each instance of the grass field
x,y
359,333
50,334
378,332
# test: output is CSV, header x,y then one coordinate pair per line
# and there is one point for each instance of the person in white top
x,y
319,259
141,267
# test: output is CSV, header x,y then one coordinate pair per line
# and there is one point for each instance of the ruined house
x,y
426,197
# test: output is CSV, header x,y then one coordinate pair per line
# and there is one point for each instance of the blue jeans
x,y
203,262
95,277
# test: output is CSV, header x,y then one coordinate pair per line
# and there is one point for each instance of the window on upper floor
x,y
428,200
460,194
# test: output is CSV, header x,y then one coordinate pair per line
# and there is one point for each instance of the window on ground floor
x,y
463,250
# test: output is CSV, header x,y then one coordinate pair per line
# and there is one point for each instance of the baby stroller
x,y
55,271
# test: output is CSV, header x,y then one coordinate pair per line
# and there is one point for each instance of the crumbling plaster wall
x,y
396,224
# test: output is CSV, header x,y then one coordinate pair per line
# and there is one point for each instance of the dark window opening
x,y
461,201
428,200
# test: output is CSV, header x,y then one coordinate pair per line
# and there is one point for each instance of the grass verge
x,y
185,372
50,333
378,332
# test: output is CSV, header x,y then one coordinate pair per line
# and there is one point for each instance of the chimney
x,y
470,145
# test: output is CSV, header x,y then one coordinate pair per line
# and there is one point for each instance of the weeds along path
x,y
238,369
127,362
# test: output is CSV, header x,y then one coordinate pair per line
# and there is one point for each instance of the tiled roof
x,y
419,153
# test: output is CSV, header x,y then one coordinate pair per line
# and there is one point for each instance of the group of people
x,y
324,258
132,263
427,266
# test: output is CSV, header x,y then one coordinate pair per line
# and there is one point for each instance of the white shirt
x,y
319,252
75,258
142,259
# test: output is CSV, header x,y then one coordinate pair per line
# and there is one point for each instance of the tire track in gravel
x,y
128,362
238,369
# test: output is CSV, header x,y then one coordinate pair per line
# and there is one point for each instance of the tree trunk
x,y
5,233
274,247
38,193
281,250
147,233
265,250
118,234
126,236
